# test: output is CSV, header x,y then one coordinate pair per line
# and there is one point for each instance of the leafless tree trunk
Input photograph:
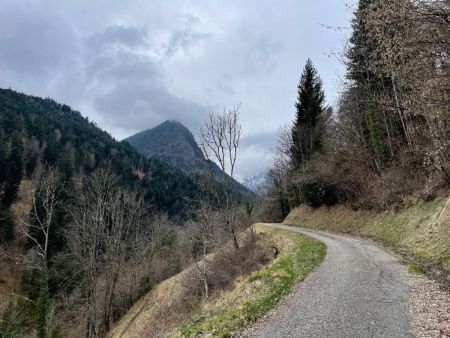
x,y
46,199
219,140
205,233
106,229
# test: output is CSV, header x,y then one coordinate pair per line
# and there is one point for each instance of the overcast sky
x,y
130,65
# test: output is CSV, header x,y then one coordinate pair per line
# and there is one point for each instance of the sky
x,y
130,65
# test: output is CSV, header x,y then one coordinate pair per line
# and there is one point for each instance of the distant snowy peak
x,y
256,183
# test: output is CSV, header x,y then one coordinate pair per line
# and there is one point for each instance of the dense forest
x,y
40,134
388,139
85,220
88,225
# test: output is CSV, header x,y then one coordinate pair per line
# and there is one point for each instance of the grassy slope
x,y
260,291
160,311
420,232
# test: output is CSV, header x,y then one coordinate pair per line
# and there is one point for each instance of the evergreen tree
x,y
3,164
12,322
306,137
15,169
43,304
376,135
6,225
362,52
360,47
365,81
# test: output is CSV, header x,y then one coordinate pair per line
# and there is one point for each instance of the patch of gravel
x,y
358,291
429,308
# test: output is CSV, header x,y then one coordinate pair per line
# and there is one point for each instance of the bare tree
x,y
220,137
45,202
280,172
219,140
205,234
104,235
38,231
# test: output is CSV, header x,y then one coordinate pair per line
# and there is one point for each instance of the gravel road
x,y
358,291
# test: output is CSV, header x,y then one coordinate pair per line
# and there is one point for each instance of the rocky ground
x,y
429,308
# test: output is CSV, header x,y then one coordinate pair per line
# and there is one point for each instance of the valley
x,y
225,169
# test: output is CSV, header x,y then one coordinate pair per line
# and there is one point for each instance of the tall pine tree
x,y
361,46
15,169
365,82
306,136
3,164
362,52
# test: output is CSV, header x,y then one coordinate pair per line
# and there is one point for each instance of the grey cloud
x,y
131,94
185,37
265,140
266,47
132,65
119,35
33,43
256,153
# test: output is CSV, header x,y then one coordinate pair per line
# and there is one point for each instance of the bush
x,y
227,263
317,193
16,320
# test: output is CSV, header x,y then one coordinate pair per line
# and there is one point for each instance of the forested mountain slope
x,y
49,134
82,188
172,143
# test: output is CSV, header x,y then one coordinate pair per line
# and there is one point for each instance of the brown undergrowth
x,y
177,299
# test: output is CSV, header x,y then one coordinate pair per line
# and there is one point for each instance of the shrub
x,y
317,193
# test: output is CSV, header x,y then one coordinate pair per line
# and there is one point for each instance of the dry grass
x,y
171,303
420,232
159,310
260,291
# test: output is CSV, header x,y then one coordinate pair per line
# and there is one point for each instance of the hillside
x,y
53,135
419,232
66,185
252,293
172,143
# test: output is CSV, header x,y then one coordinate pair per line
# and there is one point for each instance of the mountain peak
x,y
172,126
173,143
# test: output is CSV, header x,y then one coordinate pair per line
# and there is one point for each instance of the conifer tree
x,y
43,304
15,169
361,46
306,136
3,164
365,82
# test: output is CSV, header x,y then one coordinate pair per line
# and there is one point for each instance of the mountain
x,y
172,143
44,133
256,183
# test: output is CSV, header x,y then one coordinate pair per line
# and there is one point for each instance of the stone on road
x,y
358,291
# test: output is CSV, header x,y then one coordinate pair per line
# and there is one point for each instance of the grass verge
x,y
259,292
421,233
413,268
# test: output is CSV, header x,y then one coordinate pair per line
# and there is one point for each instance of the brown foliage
x,y
226,264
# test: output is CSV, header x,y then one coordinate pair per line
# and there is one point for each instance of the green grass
x,y
420,232
413,268
261,291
